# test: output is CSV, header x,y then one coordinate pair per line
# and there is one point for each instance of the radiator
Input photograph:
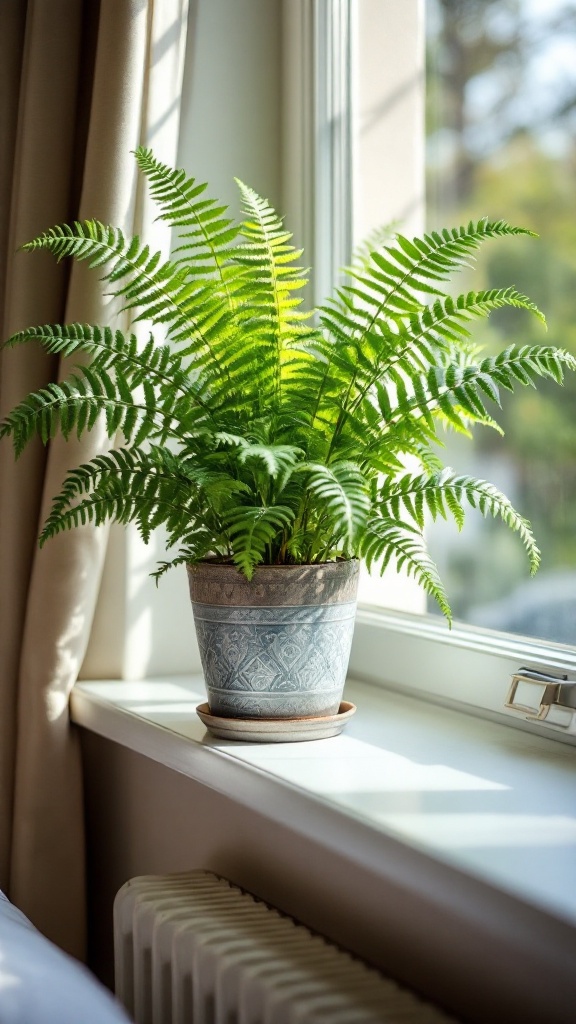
x,y
195,949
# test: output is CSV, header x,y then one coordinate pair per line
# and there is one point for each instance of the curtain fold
x,y
85,83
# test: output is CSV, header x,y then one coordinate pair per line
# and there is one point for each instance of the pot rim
x,y
219,583
227,564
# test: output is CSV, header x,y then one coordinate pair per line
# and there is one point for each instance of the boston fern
x,y
255,433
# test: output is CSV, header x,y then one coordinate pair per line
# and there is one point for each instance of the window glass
x,y
501,142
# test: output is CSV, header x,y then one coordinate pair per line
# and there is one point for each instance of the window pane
x,y
501,142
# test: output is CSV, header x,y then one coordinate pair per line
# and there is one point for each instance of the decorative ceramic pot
x,y
276,646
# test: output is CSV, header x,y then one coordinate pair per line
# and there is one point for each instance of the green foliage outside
x,y
512,154
255,435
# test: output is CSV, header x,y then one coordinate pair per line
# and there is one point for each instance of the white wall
x,y
230,123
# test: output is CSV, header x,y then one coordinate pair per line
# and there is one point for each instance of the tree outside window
x,y
501,142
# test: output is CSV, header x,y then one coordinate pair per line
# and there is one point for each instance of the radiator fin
x,y
195,949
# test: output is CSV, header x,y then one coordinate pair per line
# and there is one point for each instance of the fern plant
x,y
255,433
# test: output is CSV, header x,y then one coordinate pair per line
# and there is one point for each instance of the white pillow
x,y
39,984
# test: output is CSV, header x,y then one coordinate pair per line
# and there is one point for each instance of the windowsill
x,y
469,812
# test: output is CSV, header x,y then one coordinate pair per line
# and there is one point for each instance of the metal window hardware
x,y
557,692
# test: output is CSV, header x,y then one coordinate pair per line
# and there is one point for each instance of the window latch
x,y
555,692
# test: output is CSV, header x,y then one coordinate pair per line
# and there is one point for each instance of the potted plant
x,y
272,446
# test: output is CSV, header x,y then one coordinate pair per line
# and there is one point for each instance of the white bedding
x,y
39,984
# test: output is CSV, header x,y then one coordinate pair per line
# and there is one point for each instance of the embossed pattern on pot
x,y
276,646
275,662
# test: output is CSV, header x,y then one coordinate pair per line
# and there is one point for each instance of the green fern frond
x,y
75,405
112,350
45,412
444,493
122,507
251,530
142,487
226,439
270,258
202,548
398,353
278,459
457,390
206,230
250,435
341,493
162,291
176,195
387,540
383,315
165,566
444,323
408,268
220,490
437,255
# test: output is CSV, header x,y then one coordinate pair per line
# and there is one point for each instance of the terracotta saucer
x,y
276,730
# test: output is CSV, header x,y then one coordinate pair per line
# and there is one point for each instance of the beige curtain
x,y
82,83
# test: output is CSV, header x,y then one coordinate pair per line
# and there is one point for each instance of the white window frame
x,y
465,667
317,136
